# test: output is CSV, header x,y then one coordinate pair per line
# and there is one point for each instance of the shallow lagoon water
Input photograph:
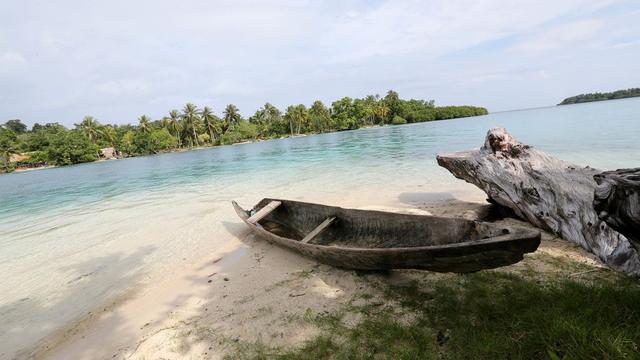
x,y
74,238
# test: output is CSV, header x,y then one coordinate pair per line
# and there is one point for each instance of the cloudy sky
x,y
116,60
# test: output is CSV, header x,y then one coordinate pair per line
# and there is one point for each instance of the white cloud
x,y
578,32
623,44
11,57
124,87
438,27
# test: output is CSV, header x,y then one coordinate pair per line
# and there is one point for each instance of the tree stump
x,y
550,193
617,202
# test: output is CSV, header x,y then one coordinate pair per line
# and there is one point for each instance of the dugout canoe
x,y
378,240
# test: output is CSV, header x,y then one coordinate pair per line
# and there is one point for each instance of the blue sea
x,y
76,237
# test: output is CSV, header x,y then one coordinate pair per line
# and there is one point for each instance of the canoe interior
x,y
371,229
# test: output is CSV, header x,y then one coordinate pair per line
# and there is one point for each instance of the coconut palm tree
x,y
260,119
109,135
212,123
144,124
231,116
297,116
89,126
380,111
174,125
164,122
190,114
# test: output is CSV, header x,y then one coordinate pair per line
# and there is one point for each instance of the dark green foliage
x,y
417,110
70,147
344,114
244,131
393,103
320,117
8,147
452,112
195,127
298,118
619,94
397,120
154,141
16,126
40,137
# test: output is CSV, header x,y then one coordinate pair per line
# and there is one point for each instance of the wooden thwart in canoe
x,y
263,212
374,240
318,230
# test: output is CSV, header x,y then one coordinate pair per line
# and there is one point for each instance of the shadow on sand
x,y
31,321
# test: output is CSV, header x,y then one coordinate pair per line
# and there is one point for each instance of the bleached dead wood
x,y
617,202
552,194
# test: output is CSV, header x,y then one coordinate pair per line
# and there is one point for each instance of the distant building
x,y
108,153
24,161
16,158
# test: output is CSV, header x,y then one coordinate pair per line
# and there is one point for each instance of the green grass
x,y
501,315
486,315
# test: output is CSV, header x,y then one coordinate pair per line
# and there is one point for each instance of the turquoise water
x,y
72,237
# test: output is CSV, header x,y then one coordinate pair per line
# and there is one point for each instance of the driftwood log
x,y
617,202
550,193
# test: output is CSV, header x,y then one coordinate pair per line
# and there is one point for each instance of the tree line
x,y
619,94
54,144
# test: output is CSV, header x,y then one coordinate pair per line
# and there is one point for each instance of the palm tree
x,y
164,122
190,115
89,126
264,118
319,116
297,115
231,116
144,124
272,112
289,116
211,122
109,135
174,125
380,111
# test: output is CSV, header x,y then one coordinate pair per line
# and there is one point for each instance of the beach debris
x,y
550,193
297,294
226,279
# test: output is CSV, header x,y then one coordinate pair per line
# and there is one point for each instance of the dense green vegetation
x,y
53,144
620,94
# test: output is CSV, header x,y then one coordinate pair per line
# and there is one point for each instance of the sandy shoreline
x,y
248,291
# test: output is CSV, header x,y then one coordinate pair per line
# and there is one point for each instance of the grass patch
x,y
485,315
501,315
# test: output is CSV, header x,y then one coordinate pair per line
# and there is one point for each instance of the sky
x,y
116,60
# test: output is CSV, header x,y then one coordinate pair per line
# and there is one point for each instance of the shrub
x,y
397,120
241,132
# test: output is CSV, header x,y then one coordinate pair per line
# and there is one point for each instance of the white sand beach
x,y
247,291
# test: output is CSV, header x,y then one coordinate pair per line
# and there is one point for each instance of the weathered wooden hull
x,y
376,240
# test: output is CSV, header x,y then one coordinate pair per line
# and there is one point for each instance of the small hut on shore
x,y
108,153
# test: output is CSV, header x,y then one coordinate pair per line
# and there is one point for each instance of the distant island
x,y
620,94
52,144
